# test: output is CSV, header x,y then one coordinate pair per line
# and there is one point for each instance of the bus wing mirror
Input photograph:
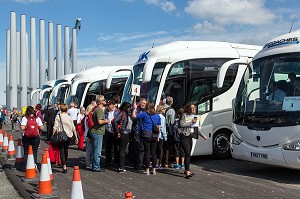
x,y
226,65
34,92
55,89
112,75
75,85
149,65
44,91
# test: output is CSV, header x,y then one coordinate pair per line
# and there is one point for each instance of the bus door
x,y
201,95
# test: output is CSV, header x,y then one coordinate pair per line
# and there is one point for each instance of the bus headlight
x,y
295,146
235,140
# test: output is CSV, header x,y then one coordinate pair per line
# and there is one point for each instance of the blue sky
x,y
115,32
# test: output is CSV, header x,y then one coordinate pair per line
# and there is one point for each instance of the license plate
x,y
259,155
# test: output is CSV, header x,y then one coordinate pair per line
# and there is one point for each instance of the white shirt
x,y
110,116
73,112
80,117
38,121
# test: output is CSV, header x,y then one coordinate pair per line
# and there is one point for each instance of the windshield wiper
x,y
245,116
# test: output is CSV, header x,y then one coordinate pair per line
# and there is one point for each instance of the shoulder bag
x,y
59,136
155,129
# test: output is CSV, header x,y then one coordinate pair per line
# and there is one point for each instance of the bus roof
x,y
98,73
286,43
180,50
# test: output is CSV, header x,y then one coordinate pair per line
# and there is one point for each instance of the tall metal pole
x,y
23,63
7,67
18,70
33,68
13,62
58,51
42,54
66,52
74,51
50,52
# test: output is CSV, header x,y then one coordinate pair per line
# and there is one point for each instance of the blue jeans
x,y
97,148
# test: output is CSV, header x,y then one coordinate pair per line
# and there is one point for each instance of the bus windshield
x,y
61,93
270,91
149,89
79,93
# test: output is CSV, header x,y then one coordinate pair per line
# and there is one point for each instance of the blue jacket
x,y
122,120
147,123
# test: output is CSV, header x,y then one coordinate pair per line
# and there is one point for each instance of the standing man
x,y
137,148
73,112
50,114
170,115
97,132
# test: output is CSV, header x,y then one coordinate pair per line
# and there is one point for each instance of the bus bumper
x,y
272,156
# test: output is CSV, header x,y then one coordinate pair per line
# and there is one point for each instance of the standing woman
x,y
31,134
80,128
64,121
149,117
187,120
122,125
160,109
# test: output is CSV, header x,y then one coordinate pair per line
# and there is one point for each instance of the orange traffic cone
x,y
128,195
1,139
19,155
30,166
45,186
49,163
76,185
11,154
5,144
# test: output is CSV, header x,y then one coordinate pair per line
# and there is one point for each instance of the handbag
x,y
155,129
195,134
60,136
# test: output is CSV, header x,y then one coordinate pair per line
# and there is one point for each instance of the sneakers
x,y
154,172
121,170
36,168
147,172
182,166
176,166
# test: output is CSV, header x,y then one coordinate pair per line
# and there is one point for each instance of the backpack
x,y
32,128
89,119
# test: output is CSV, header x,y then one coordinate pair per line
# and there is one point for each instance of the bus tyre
x,y
221,146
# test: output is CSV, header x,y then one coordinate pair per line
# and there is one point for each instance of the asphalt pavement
x,y
213,179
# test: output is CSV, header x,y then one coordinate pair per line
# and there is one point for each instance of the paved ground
x,y
214,179
7,190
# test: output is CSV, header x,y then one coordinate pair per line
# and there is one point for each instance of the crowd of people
x,y
150,135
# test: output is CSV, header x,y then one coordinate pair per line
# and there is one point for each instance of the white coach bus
x,y
44,92
91,82
187,71
61,88
267,130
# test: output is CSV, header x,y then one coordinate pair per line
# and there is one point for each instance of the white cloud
x,y
206,27
29,1
123,37
167,6
244,12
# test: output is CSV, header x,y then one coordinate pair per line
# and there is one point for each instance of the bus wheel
x,y
221,147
